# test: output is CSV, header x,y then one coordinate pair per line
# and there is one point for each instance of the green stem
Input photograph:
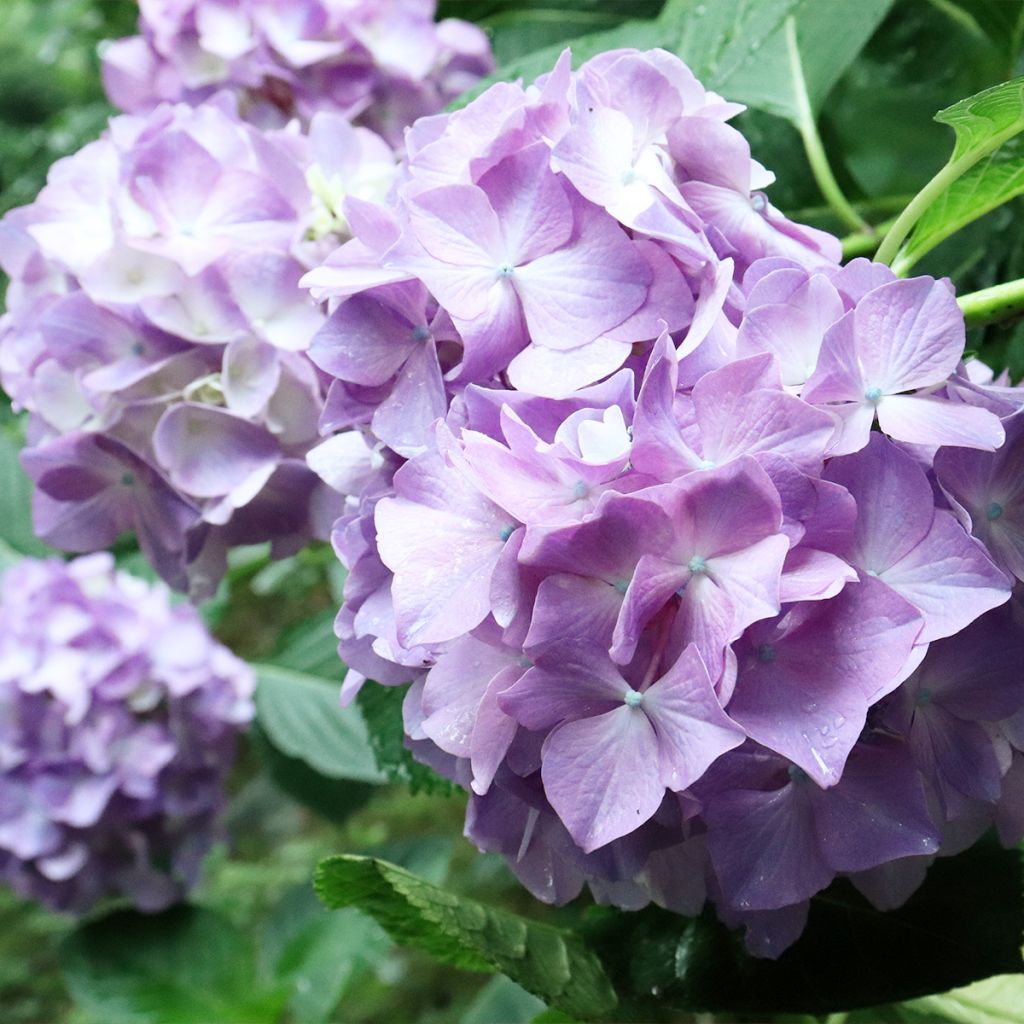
x,y
862,243
890,246
812,140
990,305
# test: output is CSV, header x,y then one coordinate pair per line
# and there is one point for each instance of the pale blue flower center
x,y
506,270
923,697
871,572
759,201
797,774
622,586
696,564
579,490
629,176
633,699
127,479
766,653
506,531
994,511
873,394
420,333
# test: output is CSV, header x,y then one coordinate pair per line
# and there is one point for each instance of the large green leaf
x,y
318,954
965,923
983,124
553,964
179,967
301,716
766,72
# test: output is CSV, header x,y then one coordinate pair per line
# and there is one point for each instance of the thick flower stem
x,y
863,243
991,305
820,167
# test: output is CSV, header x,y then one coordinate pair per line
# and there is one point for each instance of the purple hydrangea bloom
x,y
157,335
118,720
383,62
616,510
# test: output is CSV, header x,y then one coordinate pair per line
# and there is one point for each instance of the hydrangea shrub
x,y
118,721
692,543
156,333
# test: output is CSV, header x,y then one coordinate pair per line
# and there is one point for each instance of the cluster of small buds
x,y
380,63
156,332
696,548
118,720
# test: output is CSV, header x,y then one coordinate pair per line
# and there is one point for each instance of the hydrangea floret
x,y
382,63
118,720
156,333
685,536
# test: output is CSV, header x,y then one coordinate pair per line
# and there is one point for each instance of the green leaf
x,y
502,1000
178,967
16,534
302,718
319,954
553,964
964,924
312,648
983,123
382,708
759,68
993,1001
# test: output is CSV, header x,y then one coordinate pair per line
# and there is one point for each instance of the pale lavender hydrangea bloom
x,y
156,333
616,509
382,63
118,720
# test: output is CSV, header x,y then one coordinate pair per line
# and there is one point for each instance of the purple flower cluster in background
x,y
156,332
696,547
118,718
383,62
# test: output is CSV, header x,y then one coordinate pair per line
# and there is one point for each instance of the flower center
x,y
994,511
633,699
873,394
696,564
766,653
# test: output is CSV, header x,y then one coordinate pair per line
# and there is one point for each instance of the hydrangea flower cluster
x,y
696,547
156,332
118,719
383,62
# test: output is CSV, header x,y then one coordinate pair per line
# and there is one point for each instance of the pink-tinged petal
x,y
669,305
655,580
792,332
691,727
960,755
577,293
456,224
417,400
493,338
837,376
949,577
365,341
706,618
723,509
927,420
597,775
554,373
813,575
453,690
764,847
737,419
861,276
805,694
530,203
574,679
877,812
855,420
750,578
895,503
909,334
208,452
250,375
349,270
442,539
596,154
573,606
493,731
658,444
